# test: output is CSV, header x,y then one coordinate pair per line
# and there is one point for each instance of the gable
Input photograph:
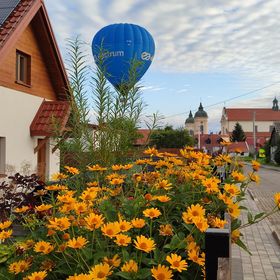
x,y
41,84
28,26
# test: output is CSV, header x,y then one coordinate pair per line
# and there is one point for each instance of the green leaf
x,y
259,215
144,273
243,246
124,275
250,217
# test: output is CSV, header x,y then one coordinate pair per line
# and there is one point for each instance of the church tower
x,y
275,106
189,124
200,121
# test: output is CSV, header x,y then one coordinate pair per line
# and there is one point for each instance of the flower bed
x,y
127,222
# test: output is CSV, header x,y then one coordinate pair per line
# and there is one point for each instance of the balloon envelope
x,y
121,45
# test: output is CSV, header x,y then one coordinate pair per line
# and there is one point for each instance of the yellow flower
x,y
254,177
66,198
77,243
59,224
217,222
237,176
277,199
4,234
144,244
233,210
19,266
43,207
226,199
115,261
96,167
176,262
232,189
100,271
138,223
161,273
80,277
59,176
166,230
130,266
193,211
255,165
5,224
201,223
116,181
151,152
211,184
162,198
93,184
56,188
193,255
43,247
235,235
22,209
117,167
122,239
80,207
72,170
94,221
40,275
151,213
88,194
124,225
111,229
127,166
164,184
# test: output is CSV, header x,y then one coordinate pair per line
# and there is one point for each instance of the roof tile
x,y
43,122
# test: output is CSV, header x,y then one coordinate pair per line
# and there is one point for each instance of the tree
x,y
171,138
238,134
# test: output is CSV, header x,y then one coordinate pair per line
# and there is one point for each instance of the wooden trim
x,y
42,143
3,175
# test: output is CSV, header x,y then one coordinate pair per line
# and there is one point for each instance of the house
x,y
33,89
257,123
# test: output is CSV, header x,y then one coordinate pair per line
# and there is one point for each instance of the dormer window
x,y
23,68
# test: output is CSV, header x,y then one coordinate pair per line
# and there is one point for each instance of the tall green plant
x,y
117,111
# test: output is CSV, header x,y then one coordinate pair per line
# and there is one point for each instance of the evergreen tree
x,y
237,134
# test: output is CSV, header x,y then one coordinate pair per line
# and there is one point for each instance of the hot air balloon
x,y
119,47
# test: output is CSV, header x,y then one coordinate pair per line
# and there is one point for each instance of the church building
x,y
198,124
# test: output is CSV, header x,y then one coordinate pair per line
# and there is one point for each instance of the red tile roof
x,y
241,146
50,113
246,114
14,19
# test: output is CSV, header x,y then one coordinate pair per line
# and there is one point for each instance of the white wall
x,y
17,110
248,126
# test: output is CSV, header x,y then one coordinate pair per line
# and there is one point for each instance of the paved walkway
x,y
264,264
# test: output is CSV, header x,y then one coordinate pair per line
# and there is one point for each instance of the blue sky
x,y
209,51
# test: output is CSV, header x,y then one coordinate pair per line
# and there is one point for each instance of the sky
x,y
218,52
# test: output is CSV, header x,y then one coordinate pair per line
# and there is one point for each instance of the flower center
x,y
100,274
109,231
176,264
143,245
161,276
195,213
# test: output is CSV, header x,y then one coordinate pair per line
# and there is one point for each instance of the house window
x,y
2,155
23,68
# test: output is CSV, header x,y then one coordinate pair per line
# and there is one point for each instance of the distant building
x,y
263,119
198,124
